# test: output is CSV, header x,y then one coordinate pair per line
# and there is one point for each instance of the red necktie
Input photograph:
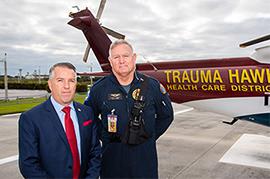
x,y
70,132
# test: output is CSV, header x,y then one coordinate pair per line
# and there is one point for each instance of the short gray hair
x,y
62,64
119,42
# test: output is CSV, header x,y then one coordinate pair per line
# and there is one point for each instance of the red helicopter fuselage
x,y
237,87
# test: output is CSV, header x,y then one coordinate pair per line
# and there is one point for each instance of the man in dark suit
x,y
58,138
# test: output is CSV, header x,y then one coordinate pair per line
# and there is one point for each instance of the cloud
x,y
35,34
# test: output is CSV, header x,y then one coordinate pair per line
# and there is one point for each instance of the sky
x,y
35,34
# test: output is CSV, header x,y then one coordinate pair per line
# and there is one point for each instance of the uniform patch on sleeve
x,y
162,89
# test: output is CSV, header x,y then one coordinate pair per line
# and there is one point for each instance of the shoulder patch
x,y
162,89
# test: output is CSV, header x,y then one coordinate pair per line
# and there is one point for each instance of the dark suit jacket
x,y
43,147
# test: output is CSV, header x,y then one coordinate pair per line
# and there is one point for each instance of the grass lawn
x,y
21,105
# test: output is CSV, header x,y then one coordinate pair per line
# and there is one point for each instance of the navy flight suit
x,y
121,160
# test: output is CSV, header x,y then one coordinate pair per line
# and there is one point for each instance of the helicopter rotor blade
x,y
99,13
255,41
113,33
100,9
86,53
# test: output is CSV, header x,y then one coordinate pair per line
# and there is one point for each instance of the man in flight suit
x,y
113,99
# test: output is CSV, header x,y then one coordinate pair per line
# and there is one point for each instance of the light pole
x,y
5,77
39,81
20,74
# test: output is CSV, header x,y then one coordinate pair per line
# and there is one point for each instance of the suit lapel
x,y
80,116
53,117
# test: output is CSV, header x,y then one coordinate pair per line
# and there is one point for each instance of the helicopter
x,y
237,87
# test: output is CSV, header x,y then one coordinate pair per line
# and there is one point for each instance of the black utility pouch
x,y
135,132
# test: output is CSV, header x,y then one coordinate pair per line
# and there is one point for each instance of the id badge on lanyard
x,y
112,122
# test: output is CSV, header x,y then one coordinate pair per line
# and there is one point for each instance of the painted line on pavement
x,y
9,159
183,111
249,150
11,115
